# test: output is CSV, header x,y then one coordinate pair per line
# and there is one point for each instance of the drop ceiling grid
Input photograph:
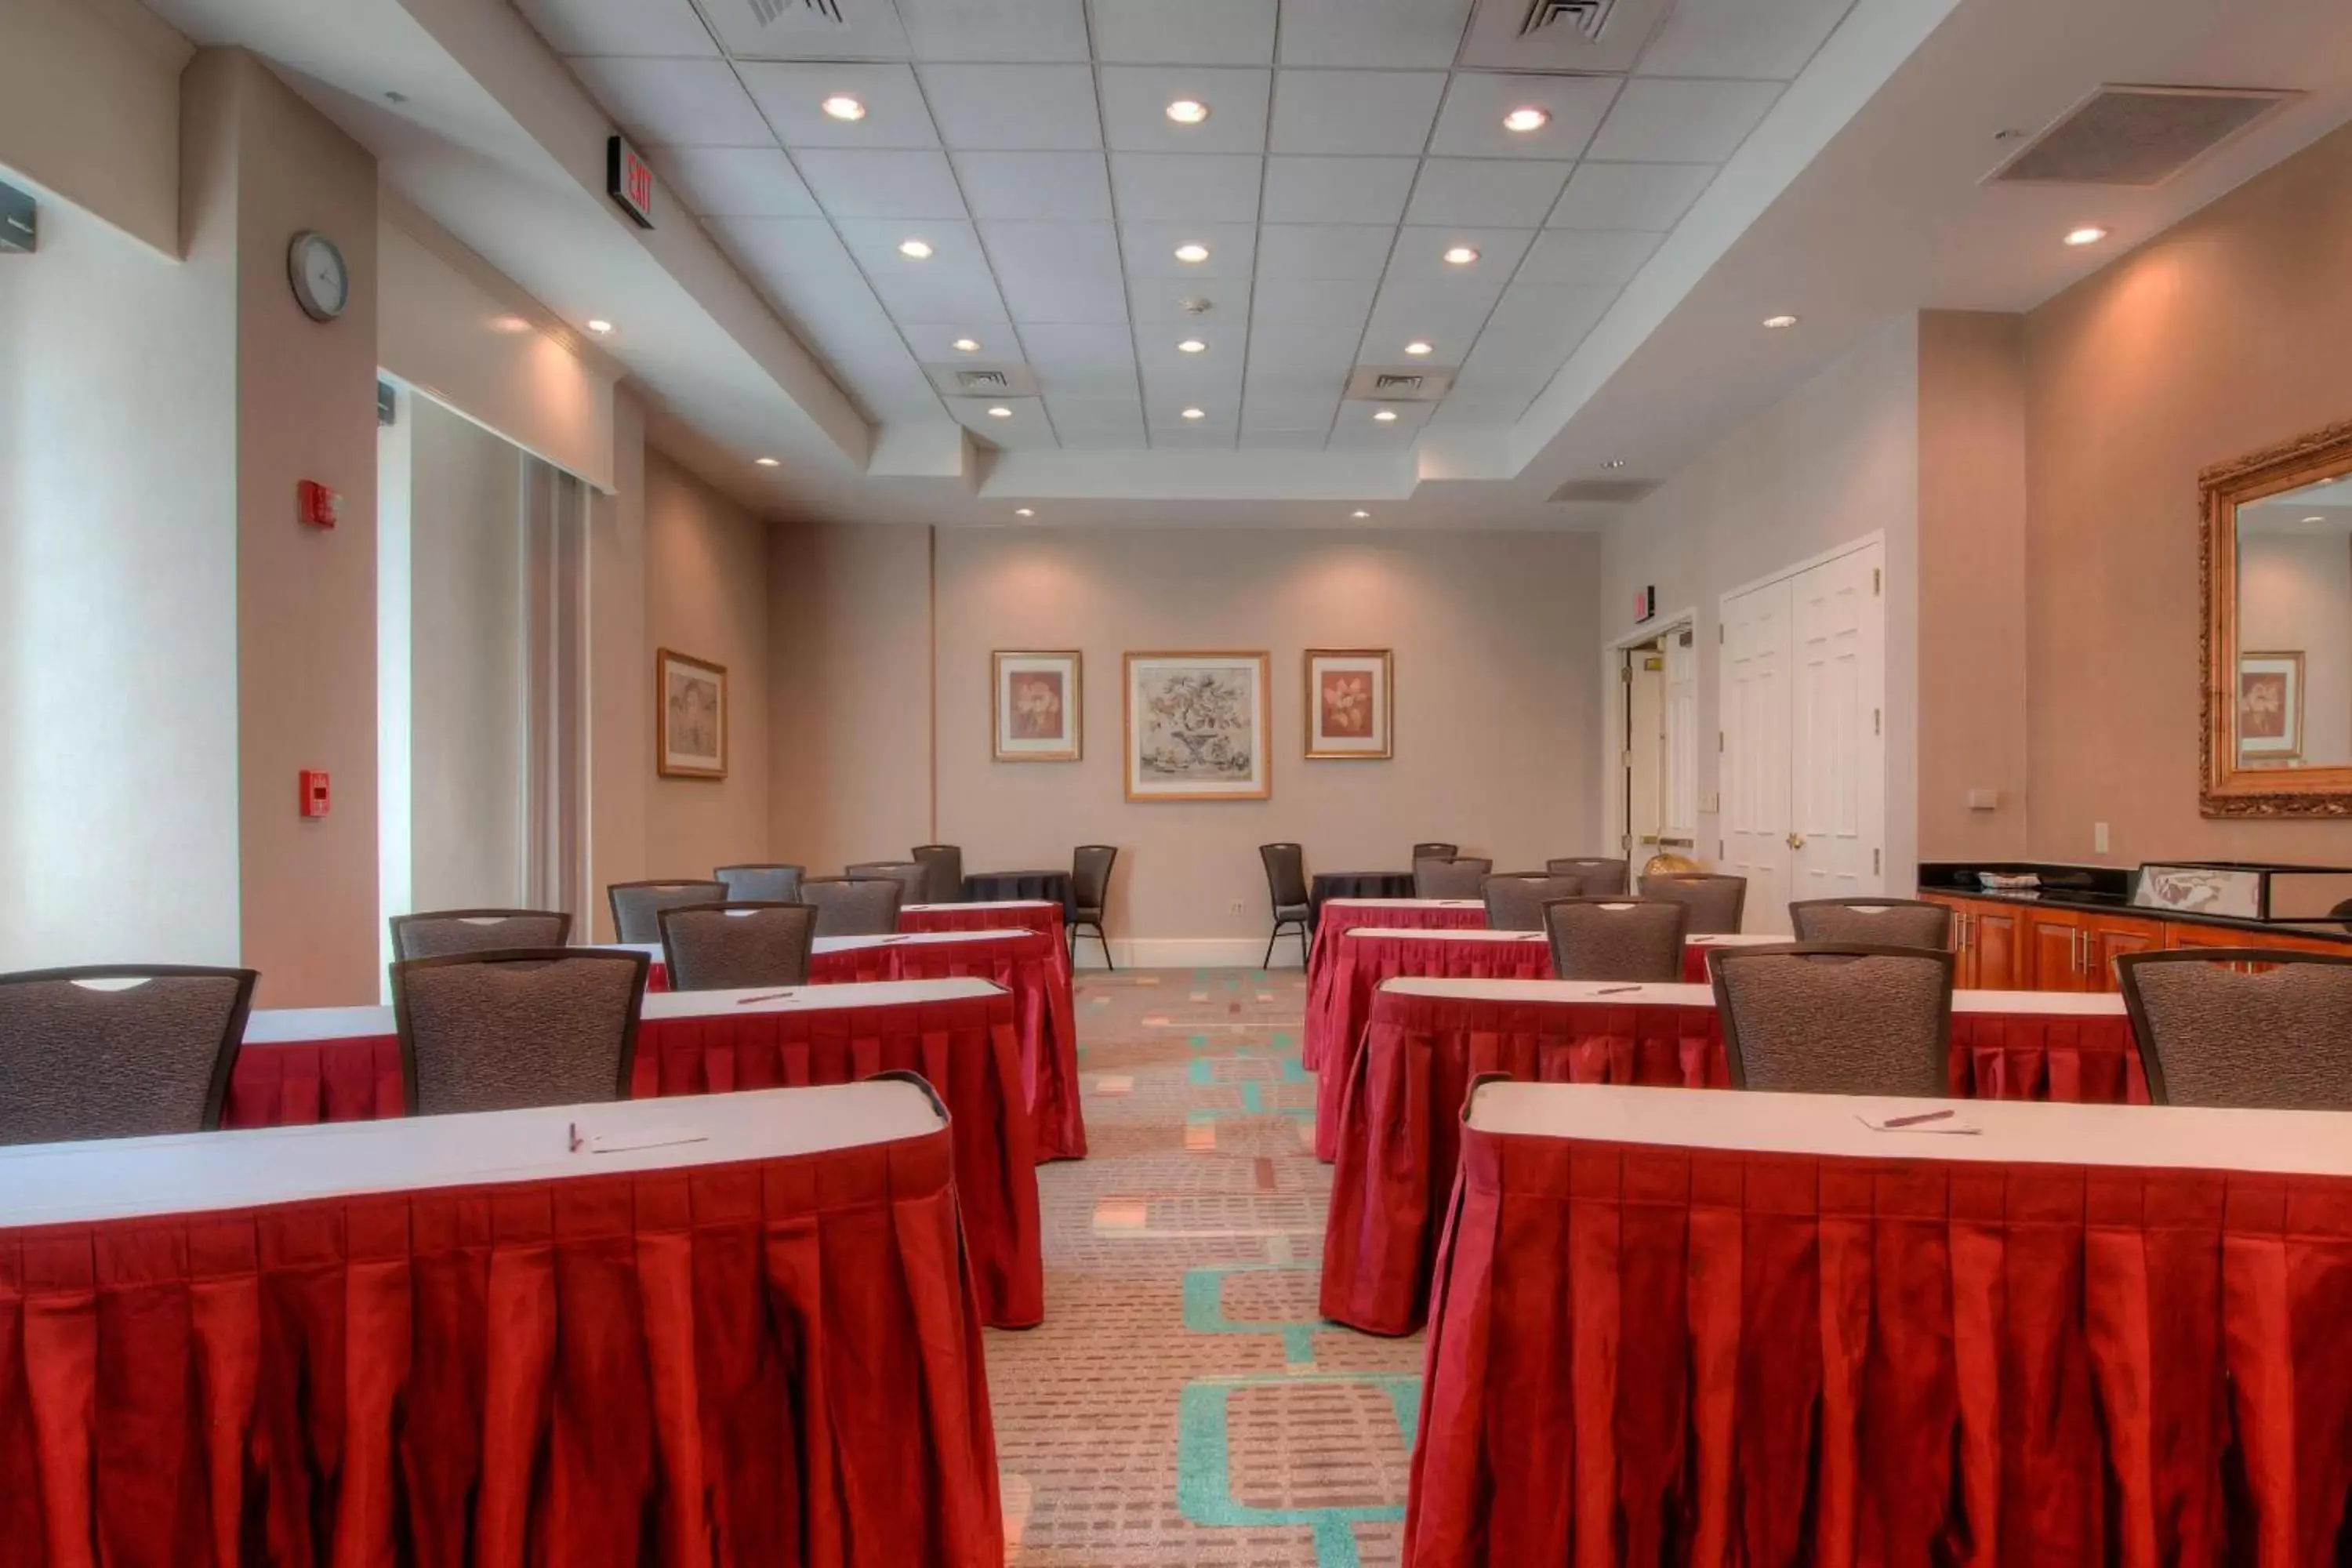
x,y
1812,23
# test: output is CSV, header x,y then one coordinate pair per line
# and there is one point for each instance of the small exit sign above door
x,y
630,181
1645,605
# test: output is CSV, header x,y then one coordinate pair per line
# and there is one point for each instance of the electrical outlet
x,y
2098,838
1235,907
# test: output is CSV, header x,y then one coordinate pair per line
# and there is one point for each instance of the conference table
x,y
735,1330
960,1034
1677,1326
1396,1133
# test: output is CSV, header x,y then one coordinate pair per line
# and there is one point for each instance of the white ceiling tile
x,y
1026,429
1471,123
1501,192
1014,107
1150,250
993,29
1118,440
1338,190
1209,437
800,257
1536,326
792,97
1073,186
1390,33
1186,32
1164,187
1063,250
911,186
1591,256
734,182
1325,250
1355,429
1219,364
953,284
1160,302
1279,439
619,27
867,30
1421,255
1136,100
1296,305
1292,402
1089,383
1355,111
933,343
1441,313
1071,347
676,103
1098,422
1740,37
1075,298
1630,195
1674,120
1461,411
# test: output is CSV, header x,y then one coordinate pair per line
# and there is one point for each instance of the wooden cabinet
x,y
2053,950
1995,950
2015,944
2182,934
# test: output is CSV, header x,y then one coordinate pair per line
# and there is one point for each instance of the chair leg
x,y
1271,938
1108,965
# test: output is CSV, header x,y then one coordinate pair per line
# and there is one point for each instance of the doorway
x,y
1659,745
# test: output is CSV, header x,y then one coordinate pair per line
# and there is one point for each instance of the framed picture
x,y
1348,709
1037,703
1196,727
689,717
2270,708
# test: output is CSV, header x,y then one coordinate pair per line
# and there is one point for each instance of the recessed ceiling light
x,y
1525,119
765,462
918,249
1024,511
1386,415
2315,520
1360,516
1614,463
966,345
1191,346
1777,323
841,106
598,325
1191,253
2089,234
1195,414
1188,111
999,412
1416,348
1460,255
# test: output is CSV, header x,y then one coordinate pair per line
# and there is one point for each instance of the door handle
x,y
1796,841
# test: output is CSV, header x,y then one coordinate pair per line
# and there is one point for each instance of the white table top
x,y
280,1026
1406,903
825,944
58,1184
981,904
1478,934
2036,1004
2314,1143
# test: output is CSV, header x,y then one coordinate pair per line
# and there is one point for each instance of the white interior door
x,y
1837,752
1755,776
1680,826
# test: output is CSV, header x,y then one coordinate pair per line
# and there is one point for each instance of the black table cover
x,y
1328,885
997,887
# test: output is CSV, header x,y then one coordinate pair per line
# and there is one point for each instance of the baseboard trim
x,y
1188,953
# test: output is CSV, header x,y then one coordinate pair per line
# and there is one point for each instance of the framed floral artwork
x,y
2270,708
1348,709
689,717
1197,726
1036,704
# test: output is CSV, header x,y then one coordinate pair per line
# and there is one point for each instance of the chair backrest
x,y
1516,900
1090,876
1436,851
118,1050
1715,899
637,906
1888,922
854,906
438,931
1617,938
1817,1018
914,881
2209,1035
768,884
499,1031
943,872
1603,878
733,947
1455,878
1285,874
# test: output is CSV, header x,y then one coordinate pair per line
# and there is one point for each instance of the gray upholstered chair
x,y
434,933
1716,900
1459,877
1815,1017
762,884
2212,1034
1285,887
1638,940
943,866
500,1031
1516,900
637,906
854,906
735,946
913,878
1603,878
118,1050
1888,922
1090,866
1436,851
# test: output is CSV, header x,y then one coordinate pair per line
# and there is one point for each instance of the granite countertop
x,y
2101,890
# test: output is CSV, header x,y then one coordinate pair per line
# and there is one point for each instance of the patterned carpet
x,y
1182,1403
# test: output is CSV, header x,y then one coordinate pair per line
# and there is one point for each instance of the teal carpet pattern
x,y
1182,1402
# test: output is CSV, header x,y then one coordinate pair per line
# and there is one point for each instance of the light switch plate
x,y
2098,838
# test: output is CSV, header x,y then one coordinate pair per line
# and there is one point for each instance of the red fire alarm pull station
x,y
319,505
314,792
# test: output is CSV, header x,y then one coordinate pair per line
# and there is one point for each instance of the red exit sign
x,y
629,179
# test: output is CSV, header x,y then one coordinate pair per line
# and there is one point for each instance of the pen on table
x,y
1616,990
1915,1120
764,996
572,1132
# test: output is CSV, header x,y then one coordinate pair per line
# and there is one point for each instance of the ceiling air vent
x,y
1586,16
983,381
1396,386
766,11
1617,492
1398,383
2136,135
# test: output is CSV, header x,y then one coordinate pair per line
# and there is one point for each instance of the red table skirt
x,y
968,1050
1655,1356
1326,1011
769,1364
1397,1133
1044,918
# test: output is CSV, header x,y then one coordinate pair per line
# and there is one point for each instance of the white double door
x,y
1803,775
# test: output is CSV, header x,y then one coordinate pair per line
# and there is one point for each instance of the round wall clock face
x,y
315,268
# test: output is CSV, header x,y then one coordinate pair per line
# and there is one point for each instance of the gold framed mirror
x,y
2276,568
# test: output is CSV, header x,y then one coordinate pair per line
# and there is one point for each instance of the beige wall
x,y
91,110
620,669
2225,334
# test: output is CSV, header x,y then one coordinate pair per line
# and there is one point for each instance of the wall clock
x,y
322,285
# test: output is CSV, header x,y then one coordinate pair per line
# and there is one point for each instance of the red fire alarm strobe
x,y
314,792
320,506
